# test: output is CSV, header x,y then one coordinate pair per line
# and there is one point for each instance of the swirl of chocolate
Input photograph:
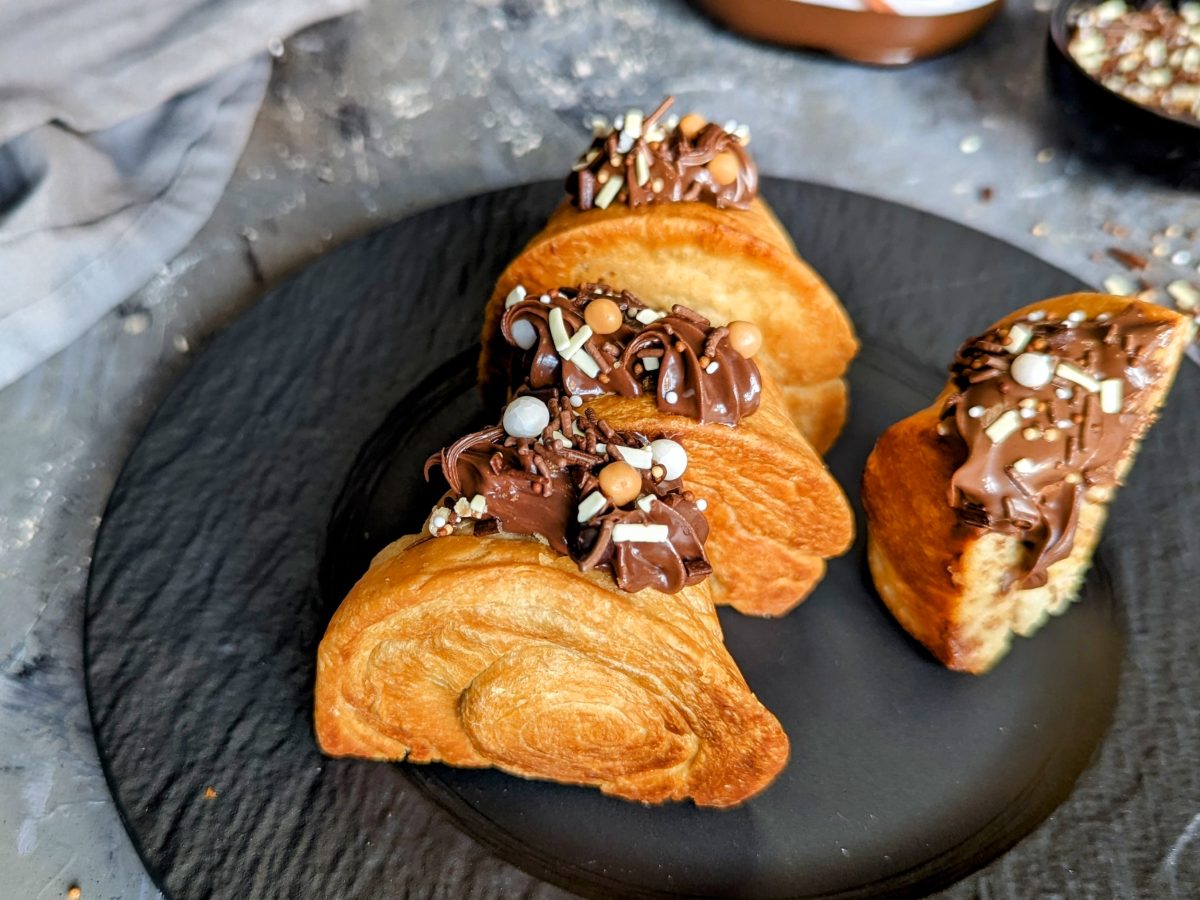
x,y
643,163
699,375
681,357
498,483
543,367
1043,410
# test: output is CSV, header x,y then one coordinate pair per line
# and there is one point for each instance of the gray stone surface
x,y
413,103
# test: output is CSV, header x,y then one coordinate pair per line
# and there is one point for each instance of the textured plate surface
x,y
257,493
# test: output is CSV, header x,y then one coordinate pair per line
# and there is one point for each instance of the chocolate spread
x,y
1044,411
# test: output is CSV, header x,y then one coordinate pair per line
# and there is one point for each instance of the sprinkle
x,y
1006,424
1112,392
577,341
609,192
976,412
1028,412
1103,317
462,507
545,298
651,363
602,449
642,168
1025,466
633,123
1050,434
586,160
1027,403
1081,378
658,185
1032,370
561,438
586,364
1072,478
515,296
647,316
1064,423
1077,315
712,367
1064,393
645,501
702,504
1120,285
642,534
672,397
742,133
638,457
575,401
524,335
1037,315
558,330
479,505
1031,433
600,126
1185,296
1018,338
590,505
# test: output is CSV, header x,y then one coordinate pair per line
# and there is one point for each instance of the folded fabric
x,y
120,125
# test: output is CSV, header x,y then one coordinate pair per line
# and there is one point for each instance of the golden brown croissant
x,y
984,508
497,651
725,256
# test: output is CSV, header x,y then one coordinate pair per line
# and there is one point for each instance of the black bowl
x,y
1111,128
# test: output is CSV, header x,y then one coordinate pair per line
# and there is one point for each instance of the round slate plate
x,y
291,452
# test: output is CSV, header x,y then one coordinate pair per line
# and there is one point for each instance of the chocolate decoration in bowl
x,y
1043,409
550,486
639,160
693,368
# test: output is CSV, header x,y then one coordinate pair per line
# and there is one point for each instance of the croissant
x,y
770,497
694,233
496,651
984,509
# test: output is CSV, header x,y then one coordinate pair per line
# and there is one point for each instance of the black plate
x,y
258,483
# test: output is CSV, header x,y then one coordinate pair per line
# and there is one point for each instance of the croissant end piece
x,y
496,651
726,264
775,512
975,538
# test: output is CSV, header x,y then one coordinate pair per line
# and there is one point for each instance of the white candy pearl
x,y
1032,370
671,456
526,417
524,334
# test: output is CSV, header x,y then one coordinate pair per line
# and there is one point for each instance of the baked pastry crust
x,y
726,264
775,512
498,652
944,581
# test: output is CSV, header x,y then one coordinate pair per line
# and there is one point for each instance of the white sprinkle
x,y
712,367
1008,422
1077,315
515,296
602,449
651,363
526,417
590,505
645,501
600,126
730,126
437,523
1037,315
642,168
561,438
1185,296
586,364
1120,285
1064,423
646,316
1064,393
742,133
577,341
479,504
609,192
638,457
1112,392
1080,377
671,456
1018,338
1028,412
1025,466
641,534
633,123
545,298
702,504
672,397
1032,370
558,330
462,507
1103,317
575,401
976,412
586,160
524,335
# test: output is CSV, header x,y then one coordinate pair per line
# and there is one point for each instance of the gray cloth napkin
x,y
120,123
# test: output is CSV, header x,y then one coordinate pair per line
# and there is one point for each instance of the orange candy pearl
x,y
691,125
603,316
724,168
620,483
745,337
